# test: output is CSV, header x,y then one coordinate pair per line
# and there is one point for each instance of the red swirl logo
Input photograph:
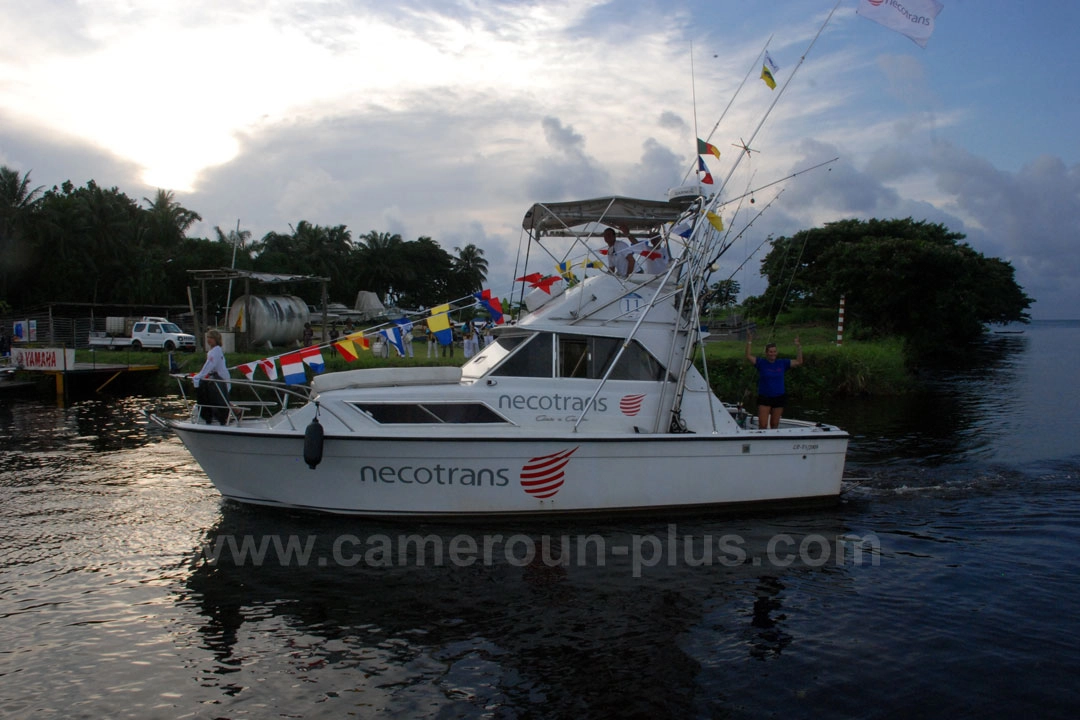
x,y
875,3
631,404
542,476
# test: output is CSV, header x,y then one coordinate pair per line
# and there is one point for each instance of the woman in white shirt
x,y
213,397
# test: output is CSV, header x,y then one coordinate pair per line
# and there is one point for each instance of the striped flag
x,y
393,336
313,358
292,367
704,148
248,369
766,75
269,367
439,324
684,228
492,305
704,169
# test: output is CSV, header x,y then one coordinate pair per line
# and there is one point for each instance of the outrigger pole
x,y
700,259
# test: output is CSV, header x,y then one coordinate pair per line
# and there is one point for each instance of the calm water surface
x,y
943,585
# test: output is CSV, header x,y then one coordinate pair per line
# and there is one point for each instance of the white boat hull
x,y
591,403
492,477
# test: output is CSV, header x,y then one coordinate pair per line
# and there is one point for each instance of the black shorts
x,y
772,401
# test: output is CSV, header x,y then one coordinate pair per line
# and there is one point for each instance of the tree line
x,y
90,244
906,278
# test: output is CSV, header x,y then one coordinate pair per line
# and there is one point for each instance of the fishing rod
x,y
777,182
727,246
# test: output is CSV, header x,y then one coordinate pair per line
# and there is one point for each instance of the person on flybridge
x,y
655,255
620,258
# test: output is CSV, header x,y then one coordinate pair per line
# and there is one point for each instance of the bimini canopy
x,y
635,214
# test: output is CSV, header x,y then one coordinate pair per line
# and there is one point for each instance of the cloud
x,y
449,119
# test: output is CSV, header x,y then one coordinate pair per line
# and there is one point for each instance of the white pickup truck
x,y
149,332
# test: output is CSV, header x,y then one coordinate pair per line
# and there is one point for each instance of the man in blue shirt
x,y
771,394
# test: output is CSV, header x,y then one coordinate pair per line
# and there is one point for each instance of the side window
x,y
637,364
590,357
532,359
139,327
573,357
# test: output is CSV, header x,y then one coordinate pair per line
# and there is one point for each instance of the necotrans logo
x,y
437,475
549,403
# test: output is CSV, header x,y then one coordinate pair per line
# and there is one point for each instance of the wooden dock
x,y
99,374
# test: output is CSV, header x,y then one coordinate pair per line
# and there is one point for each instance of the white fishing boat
x,y
592,402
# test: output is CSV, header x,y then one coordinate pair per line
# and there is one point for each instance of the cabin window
x,y
429,413
589,357
637,363
532,359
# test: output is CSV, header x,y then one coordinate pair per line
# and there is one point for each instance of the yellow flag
x,y
439,320
359,339
766,75
715,220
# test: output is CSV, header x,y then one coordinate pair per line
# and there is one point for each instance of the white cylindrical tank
x,y
272,319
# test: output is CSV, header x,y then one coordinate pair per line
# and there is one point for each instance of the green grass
x,y
856,368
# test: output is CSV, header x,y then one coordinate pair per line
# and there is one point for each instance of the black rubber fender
x,y
313,443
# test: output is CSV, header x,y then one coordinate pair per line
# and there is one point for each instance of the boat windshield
x,y
494,354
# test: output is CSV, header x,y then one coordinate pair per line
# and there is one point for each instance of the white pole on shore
x,y
840,324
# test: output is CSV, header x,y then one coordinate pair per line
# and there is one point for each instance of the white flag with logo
x,y
914,18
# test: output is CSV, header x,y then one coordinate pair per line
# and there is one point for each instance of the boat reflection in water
x,y
418,624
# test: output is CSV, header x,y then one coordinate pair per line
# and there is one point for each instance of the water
x,y
943,585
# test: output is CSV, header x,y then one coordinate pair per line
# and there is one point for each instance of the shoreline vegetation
x,y
876,367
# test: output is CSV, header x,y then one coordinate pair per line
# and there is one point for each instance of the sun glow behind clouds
x,y
176,98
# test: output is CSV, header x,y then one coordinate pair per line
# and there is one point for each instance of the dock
x,y
107,372
59,363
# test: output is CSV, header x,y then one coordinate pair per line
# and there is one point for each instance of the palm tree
x,y
470,267
167,220
17,206
381,263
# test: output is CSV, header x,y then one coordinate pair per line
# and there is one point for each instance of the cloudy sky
x,y
448,118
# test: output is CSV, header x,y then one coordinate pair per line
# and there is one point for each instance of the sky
x,y
448,118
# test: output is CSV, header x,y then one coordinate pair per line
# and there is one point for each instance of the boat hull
x,y
492,476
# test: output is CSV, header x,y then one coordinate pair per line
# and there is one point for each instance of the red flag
x,y
269,367
547,282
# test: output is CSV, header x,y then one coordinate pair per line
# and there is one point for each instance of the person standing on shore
x,y
771,393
